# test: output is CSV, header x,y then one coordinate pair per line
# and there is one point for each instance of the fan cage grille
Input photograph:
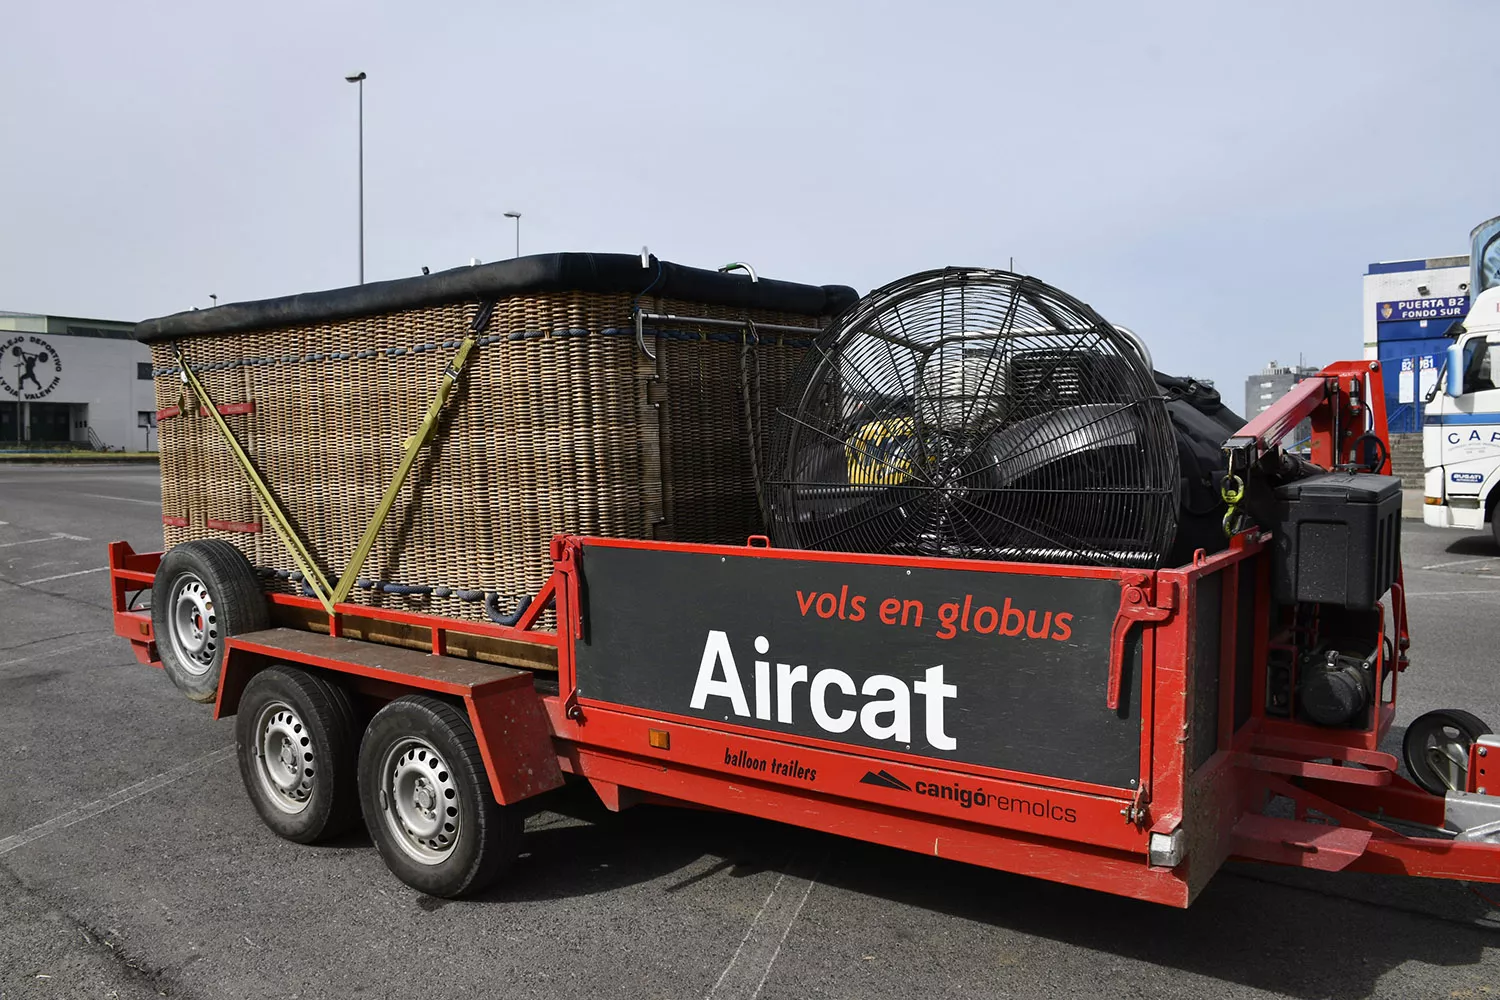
x,y
975,414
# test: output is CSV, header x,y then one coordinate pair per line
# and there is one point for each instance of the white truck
x,y
1461,422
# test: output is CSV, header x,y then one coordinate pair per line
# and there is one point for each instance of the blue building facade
x,y
1409,307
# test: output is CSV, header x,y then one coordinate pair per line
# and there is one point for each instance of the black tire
x,y
1431,734
309,791
204,592
427,800
1495,518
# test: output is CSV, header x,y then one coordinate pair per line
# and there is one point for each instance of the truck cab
x,y
1461,426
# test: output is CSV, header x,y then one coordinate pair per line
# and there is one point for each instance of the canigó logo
x,y
29,367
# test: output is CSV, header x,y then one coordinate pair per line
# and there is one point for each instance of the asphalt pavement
x,y
132,865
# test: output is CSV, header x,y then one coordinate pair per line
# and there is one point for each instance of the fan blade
x,y
1028,445
888,513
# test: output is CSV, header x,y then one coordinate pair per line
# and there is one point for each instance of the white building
x,y
65,380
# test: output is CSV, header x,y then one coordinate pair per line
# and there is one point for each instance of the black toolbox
x,y
1338,539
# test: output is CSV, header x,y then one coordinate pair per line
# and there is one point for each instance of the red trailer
x,y
1126,730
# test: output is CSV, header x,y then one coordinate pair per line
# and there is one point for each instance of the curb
x,y
78,457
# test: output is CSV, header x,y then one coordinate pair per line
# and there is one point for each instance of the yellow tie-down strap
x,y
327,594
311,574
414,445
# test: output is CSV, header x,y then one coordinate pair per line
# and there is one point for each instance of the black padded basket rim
x,y
608,273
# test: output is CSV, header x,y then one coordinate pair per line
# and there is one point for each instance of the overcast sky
x,y
1217,180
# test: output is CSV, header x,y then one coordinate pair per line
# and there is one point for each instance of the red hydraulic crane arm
x,y
1272,425
1345,402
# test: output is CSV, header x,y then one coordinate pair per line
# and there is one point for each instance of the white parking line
x,y
64,576
1452,593
56,536
101,496
56,651
750,967
1460,562
119,798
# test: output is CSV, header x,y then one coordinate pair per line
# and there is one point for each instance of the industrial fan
x,y
975,414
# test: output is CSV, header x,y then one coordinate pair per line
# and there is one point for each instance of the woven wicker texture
x,y
559,424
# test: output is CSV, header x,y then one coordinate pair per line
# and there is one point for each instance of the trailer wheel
x,y
427,800
205,592
1436,748
297,743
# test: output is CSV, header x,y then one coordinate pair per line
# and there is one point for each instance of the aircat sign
x,y
880,718
990,668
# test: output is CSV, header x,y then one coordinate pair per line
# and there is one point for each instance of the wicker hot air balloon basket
x,y
561,421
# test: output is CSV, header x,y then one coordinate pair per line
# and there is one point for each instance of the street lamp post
x,y
359,78
517,217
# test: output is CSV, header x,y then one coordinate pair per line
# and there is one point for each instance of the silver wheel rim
x,y
1447,752
419,801
194,624
285,757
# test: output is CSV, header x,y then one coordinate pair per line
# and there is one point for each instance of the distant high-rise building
x,y
1270,385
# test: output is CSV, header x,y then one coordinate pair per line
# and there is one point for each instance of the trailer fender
x,y
504,709
239,666
515,741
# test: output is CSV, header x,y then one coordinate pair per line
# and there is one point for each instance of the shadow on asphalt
x,y
1473,543
1299,933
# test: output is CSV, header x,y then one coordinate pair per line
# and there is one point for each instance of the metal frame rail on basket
x,y
750,336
